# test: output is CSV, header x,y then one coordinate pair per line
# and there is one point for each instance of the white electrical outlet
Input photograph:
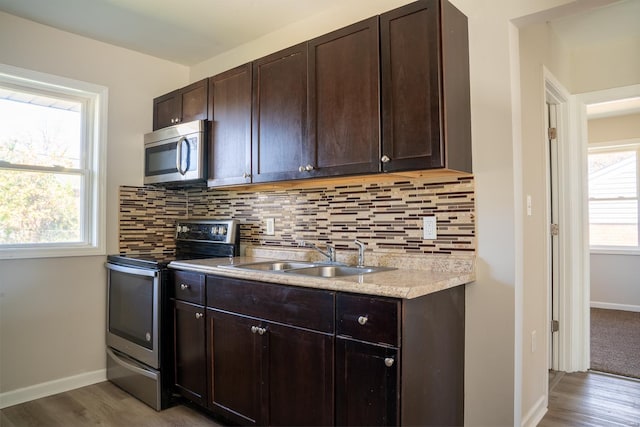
x,y
429,228
271,226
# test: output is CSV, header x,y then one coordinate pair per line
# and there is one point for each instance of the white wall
x,y
588,69
539,47
615,279
52,311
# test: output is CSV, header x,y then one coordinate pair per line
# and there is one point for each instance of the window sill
x,y
603,251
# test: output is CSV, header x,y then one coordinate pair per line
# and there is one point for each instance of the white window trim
x,y
617,145
97,102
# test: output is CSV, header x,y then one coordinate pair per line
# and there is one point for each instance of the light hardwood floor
x,y
101,404
590,399
577,400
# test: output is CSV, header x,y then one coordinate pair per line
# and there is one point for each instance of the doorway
x,y
613,140
574,293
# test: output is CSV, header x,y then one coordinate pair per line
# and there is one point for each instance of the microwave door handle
x,y
179,156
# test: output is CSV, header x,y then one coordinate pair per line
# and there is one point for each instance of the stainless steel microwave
x,y
176,155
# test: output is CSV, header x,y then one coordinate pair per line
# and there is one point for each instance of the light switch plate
x,y
429,228
271,229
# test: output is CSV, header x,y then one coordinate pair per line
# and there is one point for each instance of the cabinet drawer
x,y
305,308
189,287
368,318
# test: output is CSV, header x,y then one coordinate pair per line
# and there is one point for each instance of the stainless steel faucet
x,y
330,253
361,247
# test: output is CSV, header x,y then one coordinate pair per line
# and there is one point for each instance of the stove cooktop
x,y
195,239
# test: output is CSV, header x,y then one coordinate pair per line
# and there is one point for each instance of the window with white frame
x,y
614,189
51,165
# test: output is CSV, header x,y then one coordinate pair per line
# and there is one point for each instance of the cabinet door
x,y
280,145
193,101
300,376
235,355
411,99
366,384
166,109
344,100
190,368
230,111
182,105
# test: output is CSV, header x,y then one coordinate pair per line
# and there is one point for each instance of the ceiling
x,y
190,31
619,20
182,31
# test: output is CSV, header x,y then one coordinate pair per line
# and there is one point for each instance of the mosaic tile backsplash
x,y
387,217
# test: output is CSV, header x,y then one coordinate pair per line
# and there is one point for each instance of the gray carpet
x,y
615,342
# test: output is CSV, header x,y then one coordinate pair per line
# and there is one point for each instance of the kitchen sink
x,y
274,265
336,270
306,268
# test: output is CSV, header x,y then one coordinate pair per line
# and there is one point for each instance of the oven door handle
x,y
132,270
130,366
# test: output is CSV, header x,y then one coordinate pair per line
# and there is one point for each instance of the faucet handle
x,y
361,248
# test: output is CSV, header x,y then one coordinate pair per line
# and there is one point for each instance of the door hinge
x,y
555,326
555,229
553,133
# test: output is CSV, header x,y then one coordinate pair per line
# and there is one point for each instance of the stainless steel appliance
x,y
176,155
139,332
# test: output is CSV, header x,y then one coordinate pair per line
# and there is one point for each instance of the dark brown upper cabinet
x,y
426,119
230,113
181,105
344,101
280,146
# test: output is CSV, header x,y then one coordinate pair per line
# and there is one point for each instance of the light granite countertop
x,y
430,275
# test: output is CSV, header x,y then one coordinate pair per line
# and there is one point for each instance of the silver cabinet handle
x,y
246,175
184,287
198,316
388,362
385,159
258,330
309,168
301,169
362,320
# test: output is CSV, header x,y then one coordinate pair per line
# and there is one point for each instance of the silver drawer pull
x,y
198,315
258,330
363,319
388,362
184,287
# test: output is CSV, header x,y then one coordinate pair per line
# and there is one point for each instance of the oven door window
x,y
131,307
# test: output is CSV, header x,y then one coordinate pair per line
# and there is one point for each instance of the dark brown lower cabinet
x,y
190,360
269,374
366,384
235,356
270,354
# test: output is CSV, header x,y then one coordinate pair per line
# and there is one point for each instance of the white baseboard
x,y
613,306
536,413
49,388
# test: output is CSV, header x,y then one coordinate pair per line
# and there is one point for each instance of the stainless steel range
x,y
138,327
